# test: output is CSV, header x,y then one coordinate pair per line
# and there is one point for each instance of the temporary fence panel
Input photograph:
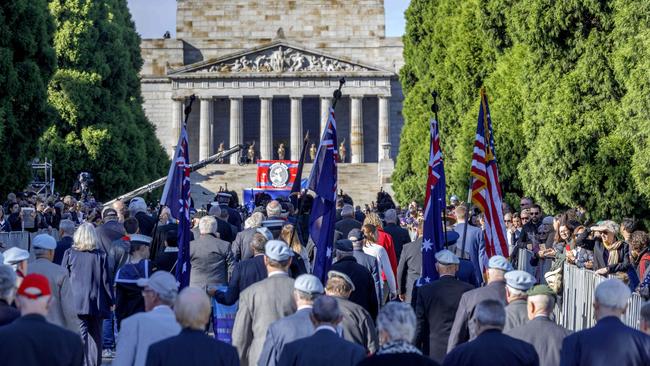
x,y
543,266
12,239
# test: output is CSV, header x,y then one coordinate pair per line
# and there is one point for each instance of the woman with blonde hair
x,y
298,249
383,238
371,247
91,291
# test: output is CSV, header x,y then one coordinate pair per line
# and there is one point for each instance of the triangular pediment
x,y
278,57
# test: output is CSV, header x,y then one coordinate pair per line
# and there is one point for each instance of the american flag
x,y
486,190
176,196
433,236
323,181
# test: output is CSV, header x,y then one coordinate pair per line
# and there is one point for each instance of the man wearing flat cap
x,y
357,324
293,327
436,306
540,330
61,310
263,303
517,283
495,289
16,258
366,260
364,293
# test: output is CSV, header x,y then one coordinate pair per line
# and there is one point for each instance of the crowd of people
x,y
106,291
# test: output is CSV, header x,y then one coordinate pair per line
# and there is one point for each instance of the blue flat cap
x,y
500,262
15,255
446,257
309,284
277,250
520,280
44,241
355,235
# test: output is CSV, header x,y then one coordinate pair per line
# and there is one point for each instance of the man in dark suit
x,y
541,331
347,221
32,340
409,267
474,246
399,234
609,341
436,306
325,347
66,231
491,346
366,260
245,273
462,330
192,347
364,293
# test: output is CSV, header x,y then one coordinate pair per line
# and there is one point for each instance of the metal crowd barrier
x,y
23,239
574,309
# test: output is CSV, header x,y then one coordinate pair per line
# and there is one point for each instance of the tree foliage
x,y
101,125
27,62
567,83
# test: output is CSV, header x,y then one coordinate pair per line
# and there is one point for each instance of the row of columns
x,y
296,131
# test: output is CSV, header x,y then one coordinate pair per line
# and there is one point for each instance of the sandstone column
x,y
177,121
384,127
356,129
236,125
325,105
296,127
204,127
266,128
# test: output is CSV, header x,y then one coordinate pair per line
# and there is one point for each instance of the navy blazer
x,y
61,246
32,340
609,342
475,247
246,273
324,348
89,282
364,293
400,237
495,349
191,348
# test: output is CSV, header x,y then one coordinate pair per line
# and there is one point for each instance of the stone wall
x,y
228,19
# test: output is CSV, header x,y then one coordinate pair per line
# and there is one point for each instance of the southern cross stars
x,y
427,245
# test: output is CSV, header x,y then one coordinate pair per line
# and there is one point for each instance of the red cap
x,y
34,286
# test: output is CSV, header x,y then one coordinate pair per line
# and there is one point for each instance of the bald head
x,y
192,308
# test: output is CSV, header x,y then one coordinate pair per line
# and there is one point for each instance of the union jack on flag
x,y
486,190
176,196
433,236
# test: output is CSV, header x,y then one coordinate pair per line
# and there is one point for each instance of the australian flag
x,y
176,196
433,236
323,181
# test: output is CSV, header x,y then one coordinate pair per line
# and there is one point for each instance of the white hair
x,y
273,208
85,238
67,226
397,319
207,225
613,294
254,221
515,292
390,216
544,302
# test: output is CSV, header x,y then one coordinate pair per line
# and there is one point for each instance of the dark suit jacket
x,y
191,348
400,236
145,223
545,336
324,348
409,268
435,308
8,313
245,274
31,340
241,246
166,260
495,349
410,359
372,266
61,246
89,282
364,293
474,248
609,342
161,234
346,225
226,231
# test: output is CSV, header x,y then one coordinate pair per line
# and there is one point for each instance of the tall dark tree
x,y
102,128
27,62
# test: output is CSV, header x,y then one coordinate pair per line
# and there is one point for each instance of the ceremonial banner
x,y
276,174
486,190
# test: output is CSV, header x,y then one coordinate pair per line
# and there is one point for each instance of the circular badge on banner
x,y
279,175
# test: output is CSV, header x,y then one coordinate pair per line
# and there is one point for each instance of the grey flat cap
x,y
500,262
309,284
446,257
163,283
277,250
342,275
15,255
520,280
44,241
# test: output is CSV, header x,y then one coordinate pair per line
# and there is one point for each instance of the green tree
x,y
96,93
27,62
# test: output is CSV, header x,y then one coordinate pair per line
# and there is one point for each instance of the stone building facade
x,y
264,71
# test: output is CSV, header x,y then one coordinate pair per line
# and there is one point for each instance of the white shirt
x,y
379,252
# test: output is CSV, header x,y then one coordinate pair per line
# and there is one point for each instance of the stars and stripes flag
x,y
323,181
433,236
486,190
176,196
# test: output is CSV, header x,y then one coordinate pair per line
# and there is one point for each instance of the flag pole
x,y
154,242
468,206
435,108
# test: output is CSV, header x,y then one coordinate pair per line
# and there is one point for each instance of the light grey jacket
x,y
141,330
61,311
211,259
545,336
284,331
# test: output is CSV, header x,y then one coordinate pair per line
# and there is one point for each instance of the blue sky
x,y
154,17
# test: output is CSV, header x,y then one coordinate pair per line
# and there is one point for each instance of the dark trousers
x,y
90,328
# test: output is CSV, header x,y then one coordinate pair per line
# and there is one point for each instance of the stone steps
x,y
360,181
